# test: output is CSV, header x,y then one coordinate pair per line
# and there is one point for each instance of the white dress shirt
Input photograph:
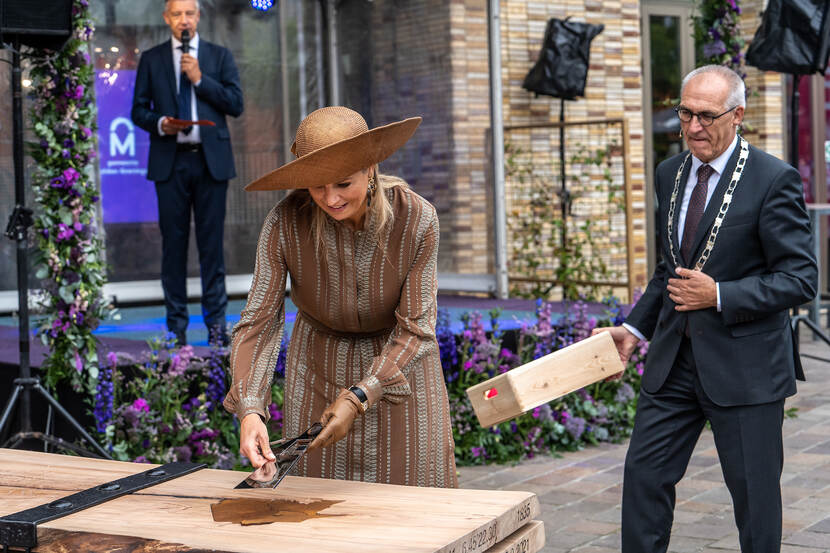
x,y
719,165
193,136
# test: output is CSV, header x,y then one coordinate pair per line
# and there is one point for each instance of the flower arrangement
x,y
68,258
605,412
167,406
718,32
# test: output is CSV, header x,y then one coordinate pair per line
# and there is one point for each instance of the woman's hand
x,y
253,441
337,419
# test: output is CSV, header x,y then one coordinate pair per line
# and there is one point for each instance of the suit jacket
x,y
764,264
218,94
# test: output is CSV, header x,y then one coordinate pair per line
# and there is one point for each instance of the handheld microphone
x,y
185,41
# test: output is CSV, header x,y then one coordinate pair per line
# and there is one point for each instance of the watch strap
x,y
361,396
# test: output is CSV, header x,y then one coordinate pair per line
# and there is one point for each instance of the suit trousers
x,y
191,188
667,426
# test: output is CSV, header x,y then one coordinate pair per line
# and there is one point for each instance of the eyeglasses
x,y
705,118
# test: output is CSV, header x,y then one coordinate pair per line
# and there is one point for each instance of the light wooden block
x,y
527,539
510,394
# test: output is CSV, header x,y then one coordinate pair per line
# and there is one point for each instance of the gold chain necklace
x,y
724,207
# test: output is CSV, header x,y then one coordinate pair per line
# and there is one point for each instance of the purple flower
x,y
104,395
216,376
446,342
625,393
180,361
279,367
79,364
140,459
64,232
478,452
575,427
86,131
183,453
141,405
275,412
191,405
68,143
543,413
66,154
71,175
714,49
58,182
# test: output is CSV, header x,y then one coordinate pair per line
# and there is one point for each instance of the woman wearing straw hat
x,y
361,249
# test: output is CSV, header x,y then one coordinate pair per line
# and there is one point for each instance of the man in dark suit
x,y
191,165
736,256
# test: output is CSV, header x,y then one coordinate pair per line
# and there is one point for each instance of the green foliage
x,y
550,250
718,34
68,249
167,406
601,413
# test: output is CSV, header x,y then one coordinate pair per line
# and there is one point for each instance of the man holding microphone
x,y
180,81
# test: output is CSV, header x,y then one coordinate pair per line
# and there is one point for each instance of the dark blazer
x,y
764,263
218,94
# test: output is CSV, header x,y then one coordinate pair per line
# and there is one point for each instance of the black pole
x,y
21,237
564,200
794,106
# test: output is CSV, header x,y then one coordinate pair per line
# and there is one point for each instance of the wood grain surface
x,y
510,394
370,517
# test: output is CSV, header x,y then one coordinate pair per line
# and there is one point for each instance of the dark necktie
x,y
694,212
184,99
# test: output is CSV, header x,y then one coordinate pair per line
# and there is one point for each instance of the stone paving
x,y
580,492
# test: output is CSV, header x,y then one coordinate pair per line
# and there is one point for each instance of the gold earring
x,y
681,133
371,191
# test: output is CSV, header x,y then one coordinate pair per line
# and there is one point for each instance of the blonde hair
x,y
379,209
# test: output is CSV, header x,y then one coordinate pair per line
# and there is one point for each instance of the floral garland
x,y
717,30
68,249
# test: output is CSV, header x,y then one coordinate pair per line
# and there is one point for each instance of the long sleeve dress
x,y
366,316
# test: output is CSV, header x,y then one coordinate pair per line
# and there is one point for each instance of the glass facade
x,y
266,47
388,65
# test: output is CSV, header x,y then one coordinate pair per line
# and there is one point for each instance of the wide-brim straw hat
x,y
333,143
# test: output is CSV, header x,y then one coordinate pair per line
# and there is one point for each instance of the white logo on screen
x,y
117,146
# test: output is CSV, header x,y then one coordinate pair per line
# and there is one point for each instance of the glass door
x,y
668,54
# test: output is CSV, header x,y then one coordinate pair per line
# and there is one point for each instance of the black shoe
x,y
181,338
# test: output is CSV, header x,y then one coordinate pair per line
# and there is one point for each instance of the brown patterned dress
x,y
366,316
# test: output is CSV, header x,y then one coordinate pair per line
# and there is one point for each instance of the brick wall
x,y
430,58
613,88
766,104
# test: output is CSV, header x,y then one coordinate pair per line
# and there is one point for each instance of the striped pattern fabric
x,y
366,316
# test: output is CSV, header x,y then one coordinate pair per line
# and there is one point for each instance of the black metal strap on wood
x,y
19,530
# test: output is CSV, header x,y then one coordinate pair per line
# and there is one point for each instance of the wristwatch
x,y
361,397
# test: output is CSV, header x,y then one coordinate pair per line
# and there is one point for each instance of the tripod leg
x,y
80,429
9,406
